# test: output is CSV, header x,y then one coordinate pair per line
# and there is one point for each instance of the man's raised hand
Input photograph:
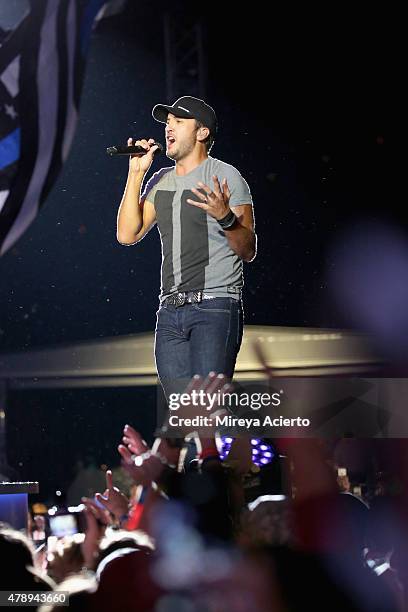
x,y
141,163
214,201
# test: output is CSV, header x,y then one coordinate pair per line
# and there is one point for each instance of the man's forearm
x,y
130,216
242,241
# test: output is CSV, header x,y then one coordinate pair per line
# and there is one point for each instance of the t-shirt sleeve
x,y
240,192
150,188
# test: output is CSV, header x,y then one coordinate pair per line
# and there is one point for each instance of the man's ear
x,y
203,133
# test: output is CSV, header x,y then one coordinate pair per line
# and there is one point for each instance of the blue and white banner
x,y
42,62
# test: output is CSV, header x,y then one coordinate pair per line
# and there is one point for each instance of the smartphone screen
x,y
63,525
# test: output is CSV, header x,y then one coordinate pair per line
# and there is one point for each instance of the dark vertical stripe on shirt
x,y
194,244
163,203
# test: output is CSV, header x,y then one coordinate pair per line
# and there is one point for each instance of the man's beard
x,y
183,149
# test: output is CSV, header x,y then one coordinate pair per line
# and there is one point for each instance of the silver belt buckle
x,y
180,299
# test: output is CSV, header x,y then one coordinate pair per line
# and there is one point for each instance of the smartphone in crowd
x,y
68,521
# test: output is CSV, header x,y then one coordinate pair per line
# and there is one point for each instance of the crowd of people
x,y
190,535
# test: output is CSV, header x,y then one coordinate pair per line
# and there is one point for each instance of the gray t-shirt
x,y
195,251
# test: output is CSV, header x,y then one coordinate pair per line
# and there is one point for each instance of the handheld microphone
x,y
133,150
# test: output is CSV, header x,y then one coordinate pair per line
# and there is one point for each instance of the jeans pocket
x,y
214,305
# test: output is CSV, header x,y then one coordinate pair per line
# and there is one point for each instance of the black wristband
x,y
227,221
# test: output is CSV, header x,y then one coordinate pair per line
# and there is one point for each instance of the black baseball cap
x,y
188,107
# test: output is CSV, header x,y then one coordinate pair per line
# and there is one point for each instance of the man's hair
x,y
209,141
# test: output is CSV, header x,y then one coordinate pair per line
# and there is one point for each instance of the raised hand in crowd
x,y
65,559
143,464
143,468
195,403
112,499
133,440
97,520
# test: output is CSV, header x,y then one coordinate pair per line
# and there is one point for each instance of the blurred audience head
x,y
18,566
80,589
266,521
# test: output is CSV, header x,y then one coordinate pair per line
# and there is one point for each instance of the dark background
x,y
301,114
301,100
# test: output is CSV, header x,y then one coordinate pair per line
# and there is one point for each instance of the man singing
x,y
204,212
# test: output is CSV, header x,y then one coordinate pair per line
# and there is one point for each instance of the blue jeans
x,y
197,339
